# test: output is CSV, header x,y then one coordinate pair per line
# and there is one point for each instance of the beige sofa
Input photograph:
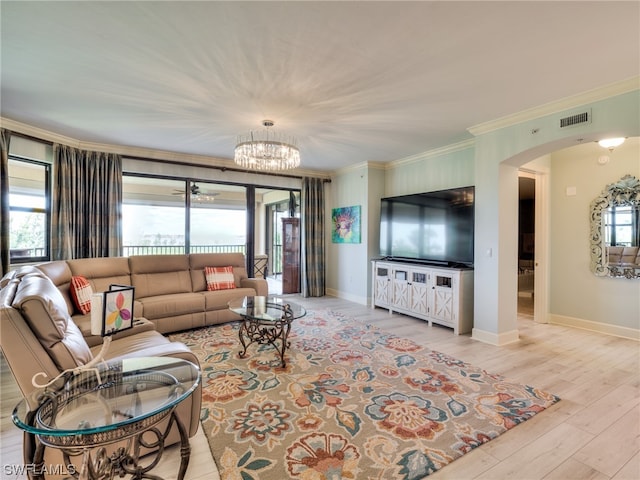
x,y
623,256
170,290
40,330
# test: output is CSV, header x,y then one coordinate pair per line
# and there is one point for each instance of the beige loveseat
x,y
41,331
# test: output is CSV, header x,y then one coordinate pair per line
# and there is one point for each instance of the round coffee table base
x,y
253,330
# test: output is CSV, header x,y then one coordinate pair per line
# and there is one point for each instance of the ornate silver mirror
x,y
615,230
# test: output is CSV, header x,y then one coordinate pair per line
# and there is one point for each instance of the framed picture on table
x,y
112,311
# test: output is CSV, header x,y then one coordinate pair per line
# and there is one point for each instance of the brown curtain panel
x,y
5,233
86,215
312,241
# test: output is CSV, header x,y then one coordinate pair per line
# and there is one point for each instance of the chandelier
x,y
266,150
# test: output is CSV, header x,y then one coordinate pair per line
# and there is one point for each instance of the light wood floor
x,y
592,433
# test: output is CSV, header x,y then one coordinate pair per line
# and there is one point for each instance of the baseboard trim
x,y
613,330
497,339
346,296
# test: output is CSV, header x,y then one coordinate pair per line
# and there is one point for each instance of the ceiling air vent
x,y
577,119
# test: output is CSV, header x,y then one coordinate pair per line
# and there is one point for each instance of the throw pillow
x,y
219,278
81,292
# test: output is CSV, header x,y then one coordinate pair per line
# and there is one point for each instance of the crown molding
x,y
359,166
602,93
139,152
436,152
455,147
38,133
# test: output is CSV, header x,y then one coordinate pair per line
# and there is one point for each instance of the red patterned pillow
x,y
219,278
81,292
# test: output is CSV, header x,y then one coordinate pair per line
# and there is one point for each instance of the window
x,y
159,217
279,204
153,216
29,210
620,224
217,218
278,211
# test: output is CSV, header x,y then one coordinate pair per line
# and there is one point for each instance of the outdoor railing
x,y
22,255
130,250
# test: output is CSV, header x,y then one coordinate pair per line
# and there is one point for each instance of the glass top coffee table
x,y
266,320
129,398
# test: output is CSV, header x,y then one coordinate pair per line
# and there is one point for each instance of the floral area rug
x,y
353,402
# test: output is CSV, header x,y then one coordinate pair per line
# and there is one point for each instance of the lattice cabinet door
x,y
443,305
419,298
382,281
401,292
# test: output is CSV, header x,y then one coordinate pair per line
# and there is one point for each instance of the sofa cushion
x,y
81,291
45,310
219,299
171,305
60,274
84,324
102,272
58,271
154,275
8,278
147,344
198,262
219,278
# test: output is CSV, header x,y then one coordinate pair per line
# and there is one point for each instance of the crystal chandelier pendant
x,y
266,150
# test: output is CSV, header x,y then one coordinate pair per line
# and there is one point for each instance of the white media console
x,y
437,294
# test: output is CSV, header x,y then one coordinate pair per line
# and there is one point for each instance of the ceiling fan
x,y
198,195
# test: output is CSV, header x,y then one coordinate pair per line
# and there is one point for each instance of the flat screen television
x,y
431,227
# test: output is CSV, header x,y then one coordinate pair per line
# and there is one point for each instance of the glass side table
x,y
84,416
265,321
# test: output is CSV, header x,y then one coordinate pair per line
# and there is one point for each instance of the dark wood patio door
x,y
290,255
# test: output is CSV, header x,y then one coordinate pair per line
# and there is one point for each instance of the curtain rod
x,y
188,164
222,168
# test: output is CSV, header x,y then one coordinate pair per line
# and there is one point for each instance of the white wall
x,y
579,297
491,164
375,190
497,151
445,168
347,263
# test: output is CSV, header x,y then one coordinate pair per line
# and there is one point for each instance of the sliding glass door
x,y
165,216
217,218
169,215
153,216
274,205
